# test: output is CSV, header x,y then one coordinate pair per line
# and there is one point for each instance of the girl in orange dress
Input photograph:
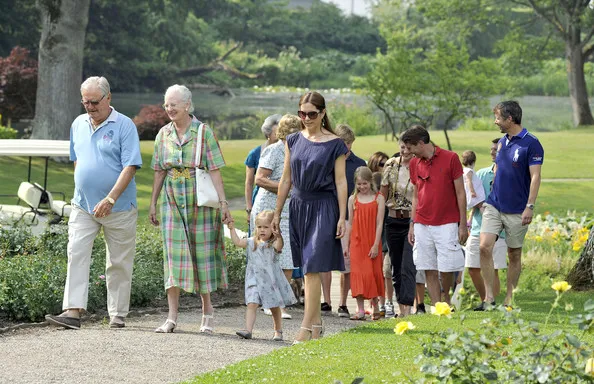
x,y
366,208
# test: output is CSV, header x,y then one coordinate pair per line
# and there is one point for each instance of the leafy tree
x,y
19,26
18,85
427,78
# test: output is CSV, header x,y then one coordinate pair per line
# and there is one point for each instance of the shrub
x,y
16,240
7,132
18,84
361,118
149,121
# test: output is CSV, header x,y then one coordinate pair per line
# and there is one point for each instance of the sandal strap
x,y
307,329
170,321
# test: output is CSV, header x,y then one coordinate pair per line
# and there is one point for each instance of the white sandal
x,y
205,326
166,327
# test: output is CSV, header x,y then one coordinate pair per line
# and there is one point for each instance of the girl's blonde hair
x,y
364,173
265,216
288,124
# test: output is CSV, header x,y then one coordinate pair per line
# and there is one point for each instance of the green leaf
x,y
573,341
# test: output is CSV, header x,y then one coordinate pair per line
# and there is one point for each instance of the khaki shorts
x,y
420,277
473,253
494,221
387,266
347,259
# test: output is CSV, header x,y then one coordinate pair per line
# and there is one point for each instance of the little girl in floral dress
x,y
265,283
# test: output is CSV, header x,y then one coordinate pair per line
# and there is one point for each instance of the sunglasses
x,y
383,163
312,115
428,171
92,102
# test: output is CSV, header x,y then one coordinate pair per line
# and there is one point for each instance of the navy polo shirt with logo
x,y
511,186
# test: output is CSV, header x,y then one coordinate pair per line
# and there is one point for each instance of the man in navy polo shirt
x,y
510,205
105,149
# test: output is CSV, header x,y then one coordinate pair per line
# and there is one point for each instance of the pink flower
x,y
102,277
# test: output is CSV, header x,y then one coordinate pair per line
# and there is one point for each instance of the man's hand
x,y
411,234
462,233
102,209
527,216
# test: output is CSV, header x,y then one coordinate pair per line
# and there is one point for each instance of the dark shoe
x,y
63,321
117,322
325,307
484,306
343,311
244,334
421,309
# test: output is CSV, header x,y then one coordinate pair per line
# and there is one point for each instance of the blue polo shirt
x,y
486,175
100,158
511,186
252,161
352,163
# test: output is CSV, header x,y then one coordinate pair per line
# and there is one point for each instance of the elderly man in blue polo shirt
x,y
510,205
105,149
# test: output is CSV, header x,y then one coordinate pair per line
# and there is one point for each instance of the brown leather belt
x,y
399,213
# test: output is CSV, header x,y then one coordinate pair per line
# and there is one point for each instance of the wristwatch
x,y
530,206
110,200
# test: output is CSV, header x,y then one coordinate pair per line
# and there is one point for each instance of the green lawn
x,y
568,155
374,351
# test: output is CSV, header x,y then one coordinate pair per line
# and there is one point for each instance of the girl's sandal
x,y
358,316
205,327
376,316
303,341
167,327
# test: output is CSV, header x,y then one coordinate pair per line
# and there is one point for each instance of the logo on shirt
x,y
108,137
537,158
516,155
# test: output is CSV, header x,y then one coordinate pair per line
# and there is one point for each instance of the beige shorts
x,y
437,248
387,266
494,221
473,254
347,259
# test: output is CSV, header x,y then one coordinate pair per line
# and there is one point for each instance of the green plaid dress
x,y
193,247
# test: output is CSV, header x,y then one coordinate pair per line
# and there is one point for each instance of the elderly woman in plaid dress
x,y
193,246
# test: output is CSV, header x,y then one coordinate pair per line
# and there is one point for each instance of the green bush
x,y
33,271
7,132
477,124
361,118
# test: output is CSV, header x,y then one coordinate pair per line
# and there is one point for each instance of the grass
x,y
567,155
374,351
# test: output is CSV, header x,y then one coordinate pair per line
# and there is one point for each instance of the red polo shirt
x,y
434,179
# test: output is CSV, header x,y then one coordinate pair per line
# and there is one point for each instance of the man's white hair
x,y
183,92
99,82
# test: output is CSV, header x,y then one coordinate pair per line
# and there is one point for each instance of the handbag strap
x,y
199,143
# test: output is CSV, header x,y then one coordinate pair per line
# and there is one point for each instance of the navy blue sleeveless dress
x,y
313,209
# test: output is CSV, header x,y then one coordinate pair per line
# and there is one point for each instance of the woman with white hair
x,y
193,250
252,161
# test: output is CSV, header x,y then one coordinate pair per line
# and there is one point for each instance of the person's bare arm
x,y
349,227
158,180
103,208
241,243
379,226
413,213
341,191
461,199
534,187
249,188
284,186
263,180
217,181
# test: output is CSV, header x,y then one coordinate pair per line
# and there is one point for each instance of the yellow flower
x,y
590,366
538,238
403,326
442,309
462,291
508,308
561,286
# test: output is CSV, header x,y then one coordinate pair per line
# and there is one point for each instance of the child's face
x,y
264,230
363,186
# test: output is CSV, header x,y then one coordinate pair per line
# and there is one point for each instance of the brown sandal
x,y
376,316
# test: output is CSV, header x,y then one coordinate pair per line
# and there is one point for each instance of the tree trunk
x,y
581,276
60,66
582,115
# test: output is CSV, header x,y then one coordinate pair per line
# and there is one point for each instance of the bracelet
x,y
221,202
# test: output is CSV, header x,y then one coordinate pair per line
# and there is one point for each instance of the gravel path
x,y
135,354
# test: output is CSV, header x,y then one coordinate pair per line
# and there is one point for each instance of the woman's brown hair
x,y
318,101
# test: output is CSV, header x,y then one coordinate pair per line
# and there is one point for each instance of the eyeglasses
x,y
172,106
92,102
312,115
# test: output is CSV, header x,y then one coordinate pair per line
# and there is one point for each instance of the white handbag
x,y
206,194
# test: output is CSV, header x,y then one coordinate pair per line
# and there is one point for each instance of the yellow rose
x,y
462,291
561,286
403,326
590,366
441,309
538,238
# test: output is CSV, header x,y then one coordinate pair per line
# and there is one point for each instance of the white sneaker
x,y
390,310
285,315
267,311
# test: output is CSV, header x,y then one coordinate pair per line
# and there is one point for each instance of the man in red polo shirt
x,y
438,224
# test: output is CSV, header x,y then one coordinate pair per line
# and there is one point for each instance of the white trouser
x,y
119,230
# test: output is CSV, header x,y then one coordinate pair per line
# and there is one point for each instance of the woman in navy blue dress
x,y
315,169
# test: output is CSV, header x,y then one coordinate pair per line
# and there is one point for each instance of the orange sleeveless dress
x,y
367,278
